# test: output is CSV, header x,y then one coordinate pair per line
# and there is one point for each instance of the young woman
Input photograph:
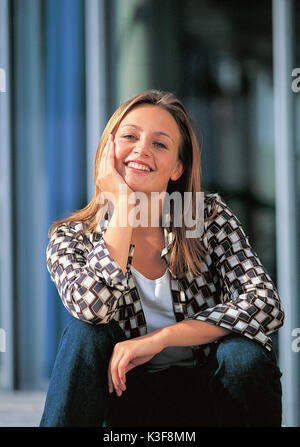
x,y
168,329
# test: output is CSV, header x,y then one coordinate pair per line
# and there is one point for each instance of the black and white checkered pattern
x,y
234,290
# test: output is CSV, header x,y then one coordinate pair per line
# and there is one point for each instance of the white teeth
x,y
138,166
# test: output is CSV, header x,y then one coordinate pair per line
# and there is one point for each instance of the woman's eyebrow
x,y
156,133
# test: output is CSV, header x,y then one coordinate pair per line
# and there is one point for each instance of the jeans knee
x,y
86,337
243,359
246,383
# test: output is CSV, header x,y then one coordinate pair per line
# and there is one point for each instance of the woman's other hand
x,y
129,354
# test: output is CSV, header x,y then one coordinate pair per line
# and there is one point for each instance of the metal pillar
x,y
6,227
286,216
96,81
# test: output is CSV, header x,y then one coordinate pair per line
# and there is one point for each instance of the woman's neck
x,y
150,234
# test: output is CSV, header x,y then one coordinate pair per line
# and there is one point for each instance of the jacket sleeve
x,y
89,283
250,304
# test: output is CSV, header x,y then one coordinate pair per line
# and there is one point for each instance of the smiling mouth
x,y
135,167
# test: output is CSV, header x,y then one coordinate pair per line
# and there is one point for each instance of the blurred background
x,y
65,66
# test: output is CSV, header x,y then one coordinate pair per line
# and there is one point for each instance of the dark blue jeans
x,y
239,385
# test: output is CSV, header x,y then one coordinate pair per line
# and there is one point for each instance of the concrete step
x,y
21,408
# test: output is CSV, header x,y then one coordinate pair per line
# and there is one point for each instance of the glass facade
x,y
219,62
297,92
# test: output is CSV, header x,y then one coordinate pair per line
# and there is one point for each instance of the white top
x,y
158,309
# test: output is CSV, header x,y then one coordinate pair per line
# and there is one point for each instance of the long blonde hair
x,y
186,253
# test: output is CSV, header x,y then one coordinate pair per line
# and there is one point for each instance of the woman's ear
x,y
177,171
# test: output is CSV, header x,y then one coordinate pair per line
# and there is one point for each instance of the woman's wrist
x,y
161,337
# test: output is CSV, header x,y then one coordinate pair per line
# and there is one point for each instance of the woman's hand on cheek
x,y
109,181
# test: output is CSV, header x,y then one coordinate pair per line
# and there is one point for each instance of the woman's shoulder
x,y
210,197
71,230
72,226
74,236
215,203
220,218
212,201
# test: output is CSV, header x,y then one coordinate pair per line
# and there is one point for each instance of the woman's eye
x,y
160,145
155,143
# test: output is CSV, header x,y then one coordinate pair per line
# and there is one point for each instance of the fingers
x,y
118,375
117,372
110,383
121,372
106,169
108,155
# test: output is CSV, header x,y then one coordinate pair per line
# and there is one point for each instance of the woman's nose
x,y
142,147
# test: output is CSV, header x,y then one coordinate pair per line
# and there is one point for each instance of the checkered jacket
x,y
234,290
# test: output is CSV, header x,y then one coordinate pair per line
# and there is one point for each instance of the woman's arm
x,y
90,282
191,332
247,302
116,237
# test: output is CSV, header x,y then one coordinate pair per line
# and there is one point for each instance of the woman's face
x,y
148,135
